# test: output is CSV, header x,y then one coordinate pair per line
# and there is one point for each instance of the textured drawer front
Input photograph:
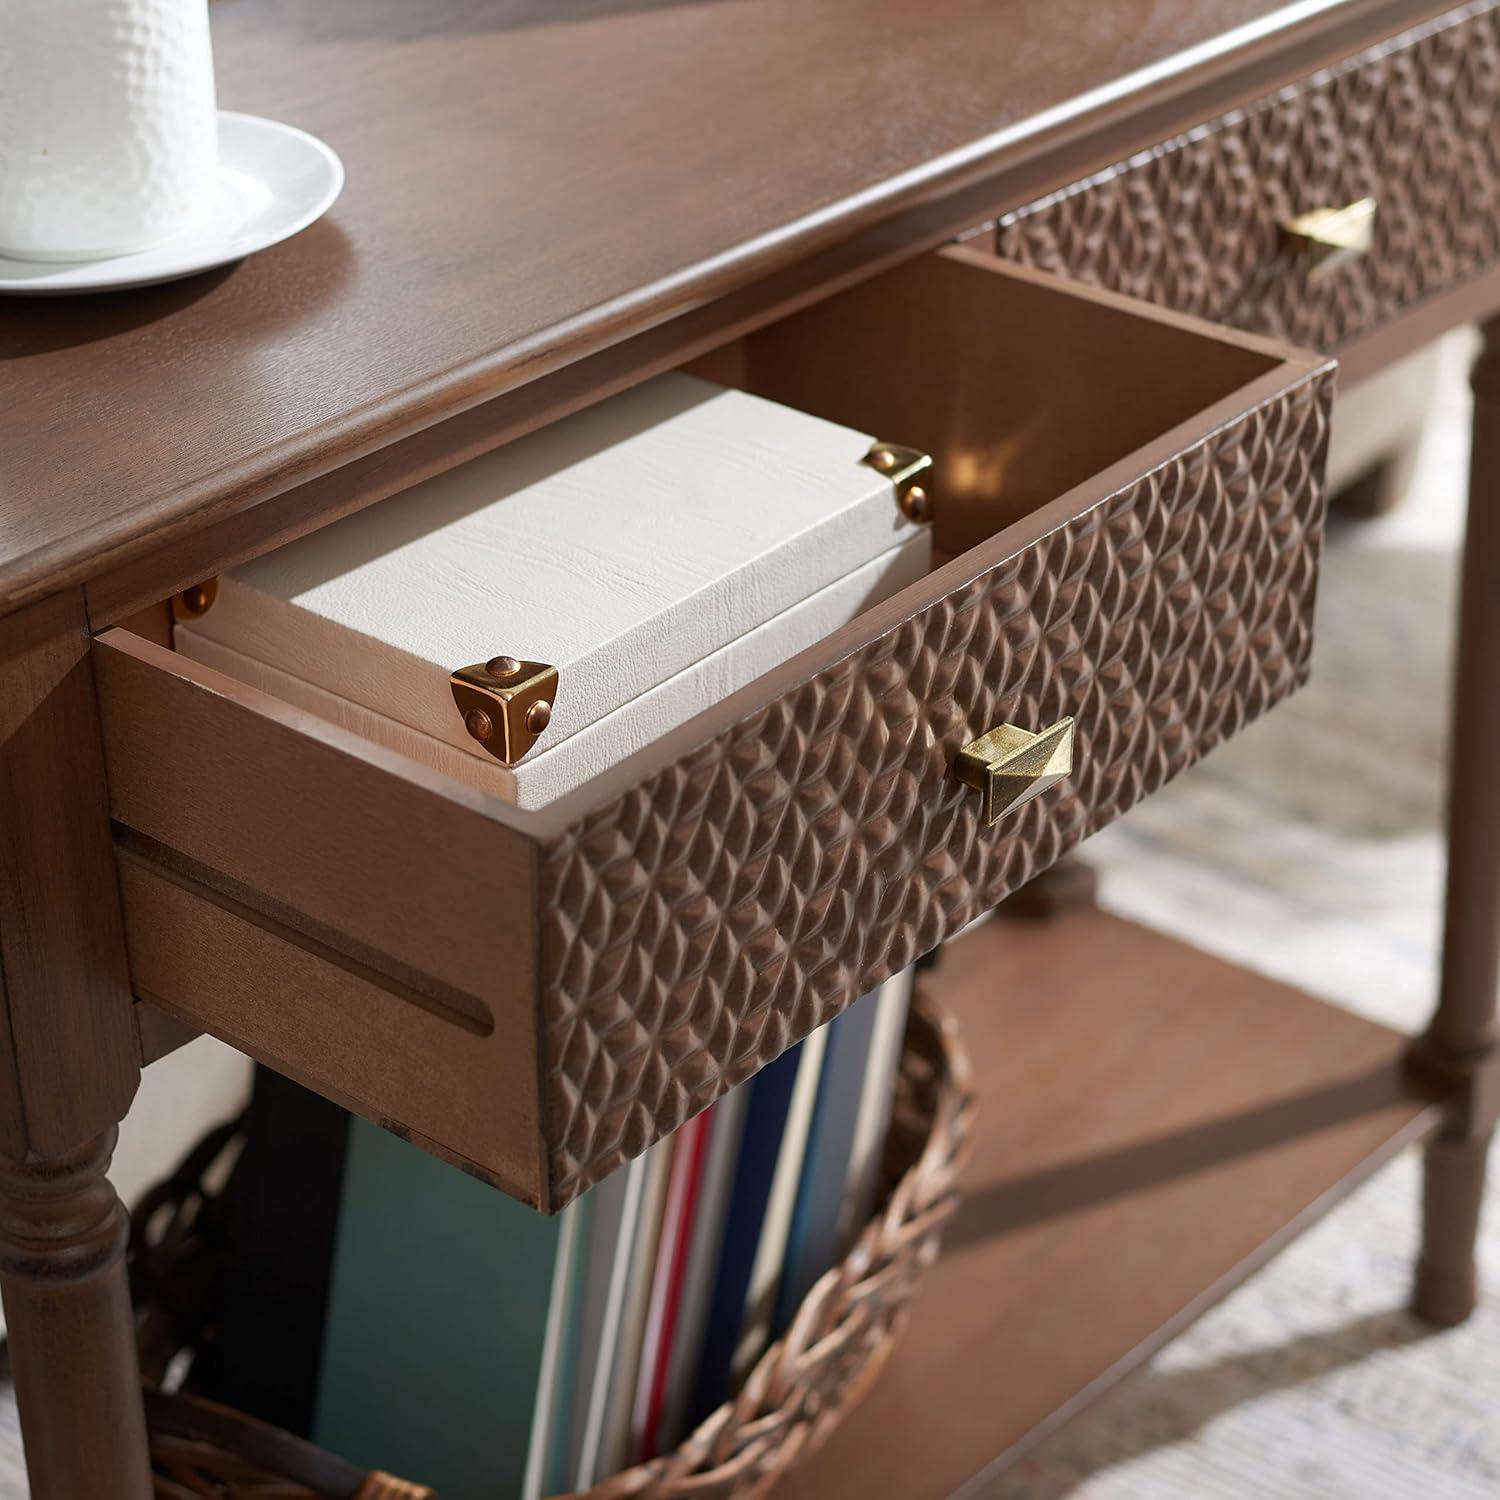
x,y
745,893
541,995
1193,223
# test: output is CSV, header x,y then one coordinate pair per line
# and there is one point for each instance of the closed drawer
x,y
1134,501
1196,222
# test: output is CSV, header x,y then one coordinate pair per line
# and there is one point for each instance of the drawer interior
x,y
540,995
1019,384
1022,386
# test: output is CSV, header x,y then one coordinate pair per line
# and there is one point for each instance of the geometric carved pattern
x,y
717,912
1192,223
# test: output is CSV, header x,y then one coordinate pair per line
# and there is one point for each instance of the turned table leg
x,y
1459,1050
72,1339
69,1066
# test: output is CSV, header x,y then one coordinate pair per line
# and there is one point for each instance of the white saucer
x,y
273,180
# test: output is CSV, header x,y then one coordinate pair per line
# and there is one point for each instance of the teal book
x,y
437,1325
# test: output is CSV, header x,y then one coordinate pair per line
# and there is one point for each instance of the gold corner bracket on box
x,y
910,471
506,703
1010,765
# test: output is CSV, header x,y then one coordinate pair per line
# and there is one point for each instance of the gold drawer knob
x,y
1328,237
1010,765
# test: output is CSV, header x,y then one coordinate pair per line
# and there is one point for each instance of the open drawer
x,y
1134,501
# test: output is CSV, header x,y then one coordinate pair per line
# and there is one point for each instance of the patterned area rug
x,y
1308,848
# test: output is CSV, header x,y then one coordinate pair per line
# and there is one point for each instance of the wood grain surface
x,y
1462,1046
532,184
69,1062
1153,1124
656,936
69,1066
69,1326
361,1041
278,859
367,852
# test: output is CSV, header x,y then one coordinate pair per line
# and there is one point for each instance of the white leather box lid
x,y
620,545
543,777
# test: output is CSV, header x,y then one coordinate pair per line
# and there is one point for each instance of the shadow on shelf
x,y
1083,1183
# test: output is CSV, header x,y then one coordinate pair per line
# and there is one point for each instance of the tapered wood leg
x,y
1452,1192
1459,1051
72,1340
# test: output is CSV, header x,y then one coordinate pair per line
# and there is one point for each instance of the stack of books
x,y
491,1352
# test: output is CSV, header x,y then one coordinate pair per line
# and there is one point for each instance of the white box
x,y
659,550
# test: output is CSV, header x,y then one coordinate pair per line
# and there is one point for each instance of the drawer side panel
x,y
714,914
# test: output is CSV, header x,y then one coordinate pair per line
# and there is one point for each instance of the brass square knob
x,y
1327,238
1010,765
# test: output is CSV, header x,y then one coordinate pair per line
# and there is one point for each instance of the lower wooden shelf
x,y
1155,1124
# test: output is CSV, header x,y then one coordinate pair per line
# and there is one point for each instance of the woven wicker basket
x,y
799,1390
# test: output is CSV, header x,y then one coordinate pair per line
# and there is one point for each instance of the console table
x,y
545,205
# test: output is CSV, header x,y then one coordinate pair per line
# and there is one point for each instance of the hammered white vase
x,y
108,135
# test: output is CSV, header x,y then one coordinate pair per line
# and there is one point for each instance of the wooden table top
x,y
531,182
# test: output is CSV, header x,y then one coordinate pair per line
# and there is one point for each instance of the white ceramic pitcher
x,y
108,135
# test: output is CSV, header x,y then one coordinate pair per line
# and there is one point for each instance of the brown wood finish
x,y
1471,301
67,1052
1462,1046
825,836
869,383
500,949
536,216
403,868
987,374
161,1033
1192,224
70,1328
1197,222
1069,886
209,1452
527,190
280,859
69,1063
1153,1124
346,1032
